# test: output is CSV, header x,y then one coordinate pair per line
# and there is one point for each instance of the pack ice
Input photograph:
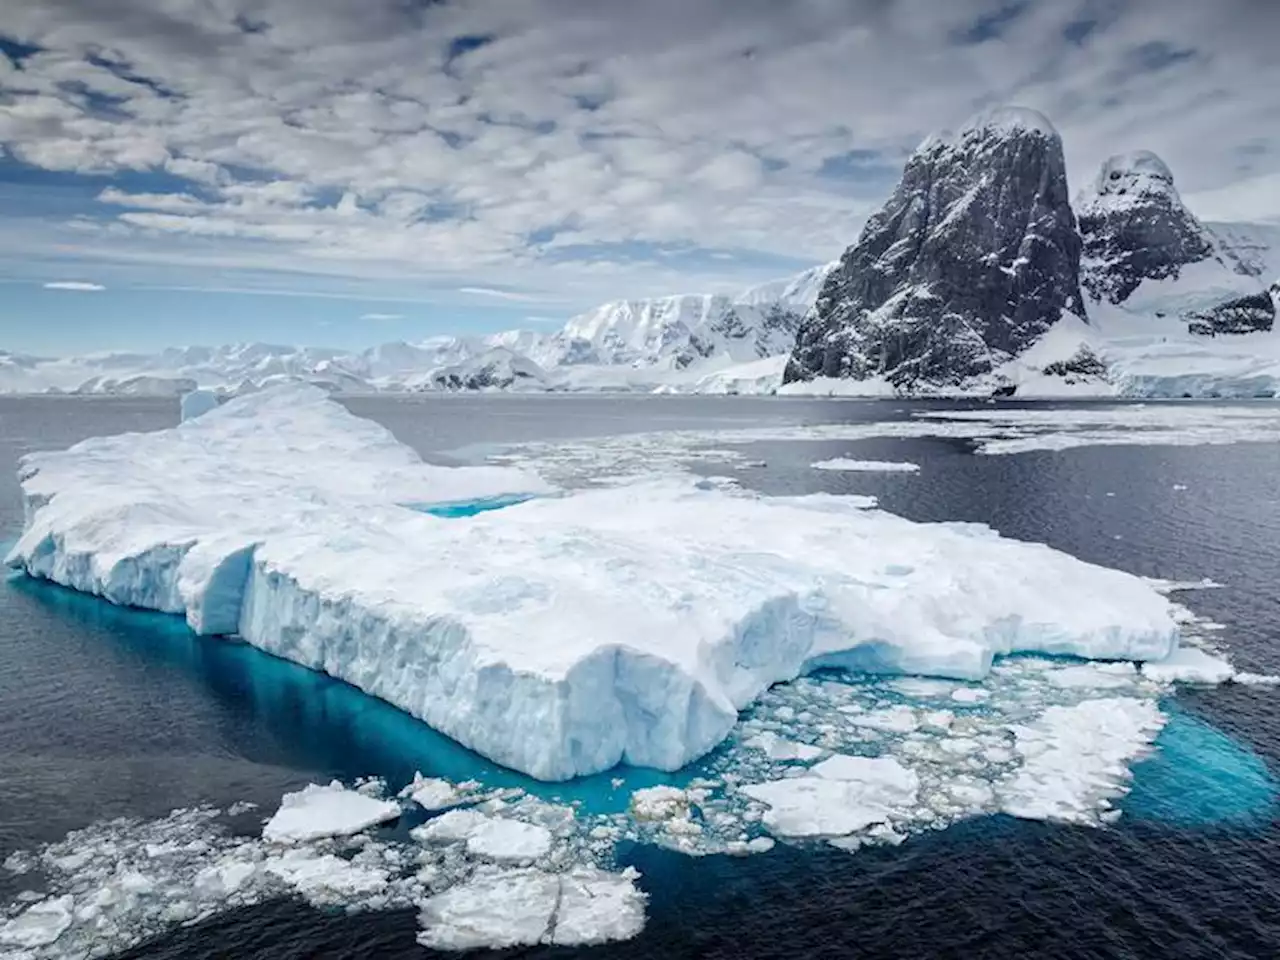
x,y
566,633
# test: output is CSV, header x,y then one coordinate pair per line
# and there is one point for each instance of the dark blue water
x,y
106,712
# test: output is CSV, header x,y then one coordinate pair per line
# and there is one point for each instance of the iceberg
x,y
562,634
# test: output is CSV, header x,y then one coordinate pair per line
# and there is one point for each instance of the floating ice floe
x,y
564,634
834,759
329,811
528,907
866,466
994,431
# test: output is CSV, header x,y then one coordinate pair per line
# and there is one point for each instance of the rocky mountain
x,y
974,256
627,345
1145,251
497,368
1135,228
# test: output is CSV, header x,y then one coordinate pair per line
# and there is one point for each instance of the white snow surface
x,y
562,635
40,924
842,794
1077,756
527,907
509,841
326,811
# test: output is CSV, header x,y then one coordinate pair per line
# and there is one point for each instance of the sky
x,y
347,173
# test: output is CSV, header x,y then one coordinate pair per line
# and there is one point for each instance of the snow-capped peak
x,y
799,291
1006,120
993,124
1130,179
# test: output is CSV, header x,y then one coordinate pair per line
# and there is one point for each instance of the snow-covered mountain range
x,y
979,275
670,342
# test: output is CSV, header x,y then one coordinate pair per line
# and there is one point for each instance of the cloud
x,y
78,285
499,294
498,148
382,316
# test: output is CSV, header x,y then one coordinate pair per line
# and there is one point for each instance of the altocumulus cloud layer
x,y
586,149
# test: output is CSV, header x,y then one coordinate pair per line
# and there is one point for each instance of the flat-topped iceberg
x,y
563,634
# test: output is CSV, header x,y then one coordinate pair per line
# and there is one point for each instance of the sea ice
x,y
451,826
325,878
558,636
509,841
328,811
509,908
775,748
1190,665
40,924
433,793
866,466
842,795
1075,756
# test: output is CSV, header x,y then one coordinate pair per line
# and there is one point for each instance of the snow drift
x,y
561,635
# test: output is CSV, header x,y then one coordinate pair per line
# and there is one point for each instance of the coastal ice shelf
x,y
566,632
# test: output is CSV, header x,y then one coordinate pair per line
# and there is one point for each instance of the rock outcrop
x,y
1250,314
1135,228
974,256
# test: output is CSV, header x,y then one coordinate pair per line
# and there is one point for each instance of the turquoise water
x,y
468,508
1201,777
316,722
1197,776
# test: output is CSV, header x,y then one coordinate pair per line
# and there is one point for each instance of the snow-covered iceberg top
x,y
561,635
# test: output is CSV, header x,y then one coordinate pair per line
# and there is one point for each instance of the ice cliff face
x,y
974,256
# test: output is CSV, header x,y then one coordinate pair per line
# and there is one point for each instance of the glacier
x,y
570,631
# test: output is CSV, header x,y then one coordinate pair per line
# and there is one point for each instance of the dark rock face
x,y
974,256
1080,367
1244,315
1135,228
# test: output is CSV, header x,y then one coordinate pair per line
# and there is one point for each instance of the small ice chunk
x,y
432,793
659,803
776,748
510,908
1076,759
923,687
324,878
225,877
866,466
451,827
331,811
509,840
1256,679
845,794
1189,665
1094,675
880,771
899,719
40,924
596,907
969,695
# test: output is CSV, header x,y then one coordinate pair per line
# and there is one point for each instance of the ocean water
x,y
107,712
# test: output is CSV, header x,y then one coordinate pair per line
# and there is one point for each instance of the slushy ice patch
x,y
831,759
